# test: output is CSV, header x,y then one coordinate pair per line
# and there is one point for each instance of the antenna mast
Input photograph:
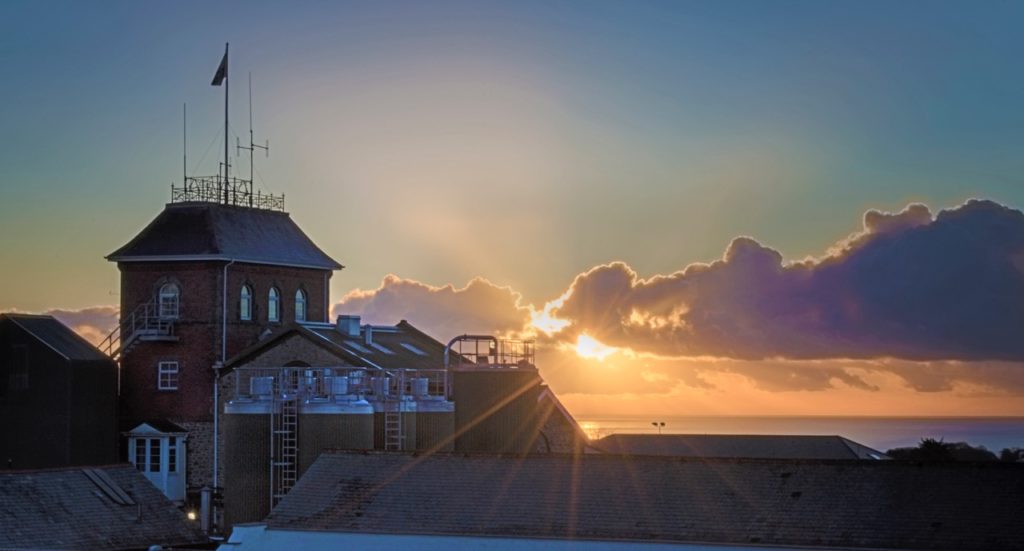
x,y
184,144
252,145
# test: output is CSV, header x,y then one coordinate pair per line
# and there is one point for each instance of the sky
x,y
674,198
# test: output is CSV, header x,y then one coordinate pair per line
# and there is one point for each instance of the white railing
x,y
325,383
145,321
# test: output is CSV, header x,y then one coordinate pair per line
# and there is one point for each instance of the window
x,y
154,455
140,454
169,295
273,305
172,454
167,376
245,304
300,305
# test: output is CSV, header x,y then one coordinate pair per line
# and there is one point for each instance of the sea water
x,y
880,433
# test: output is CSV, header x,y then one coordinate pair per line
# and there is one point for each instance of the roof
x,y
159,425
82,509
57,336
211,231
876,504
399,346
762,446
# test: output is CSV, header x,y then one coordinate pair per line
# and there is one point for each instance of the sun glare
x,y
589,347
546,321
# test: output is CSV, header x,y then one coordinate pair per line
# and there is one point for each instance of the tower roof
x,y
211,231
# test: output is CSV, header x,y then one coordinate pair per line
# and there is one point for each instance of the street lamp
x,y
659,425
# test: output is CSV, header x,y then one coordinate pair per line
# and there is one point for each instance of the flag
x,y
222,71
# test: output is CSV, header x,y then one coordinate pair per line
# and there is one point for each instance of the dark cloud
x,y
907,286
444,312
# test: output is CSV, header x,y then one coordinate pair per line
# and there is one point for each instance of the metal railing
x,y
144,321
323,384
232,191
487,352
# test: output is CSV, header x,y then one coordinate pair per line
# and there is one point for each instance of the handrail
x,y
144,320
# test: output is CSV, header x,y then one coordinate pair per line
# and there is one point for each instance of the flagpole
x,y
227,83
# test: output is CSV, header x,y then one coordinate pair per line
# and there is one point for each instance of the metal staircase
x,y
144,324
285,449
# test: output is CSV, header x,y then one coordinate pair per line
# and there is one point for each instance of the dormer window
x,y
245,304
168,300
300,305
274,306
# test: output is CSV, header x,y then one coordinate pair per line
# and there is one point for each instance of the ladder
x,y
393,425
284,435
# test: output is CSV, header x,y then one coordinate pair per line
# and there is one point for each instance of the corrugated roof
x,y
57,336
873,504
67,509
210,231
762,446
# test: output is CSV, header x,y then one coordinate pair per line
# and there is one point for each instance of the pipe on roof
x,y
460,338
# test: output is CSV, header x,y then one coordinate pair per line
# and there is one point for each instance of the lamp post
x,y
659,425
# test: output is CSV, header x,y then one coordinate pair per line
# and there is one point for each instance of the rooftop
x,y
855,504
212,231
737,445
59,337
109,507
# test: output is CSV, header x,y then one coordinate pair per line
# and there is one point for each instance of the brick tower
x,y
205,279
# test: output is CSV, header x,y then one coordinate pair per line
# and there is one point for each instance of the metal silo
x,y
435,418
247,448
333,419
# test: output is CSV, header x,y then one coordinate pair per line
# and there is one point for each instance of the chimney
x,y
348,325
368,334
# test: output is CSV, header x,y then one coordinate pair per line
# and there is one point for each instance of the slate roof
x,y
874,504
66,509
210,231
399,346
57,336
757,446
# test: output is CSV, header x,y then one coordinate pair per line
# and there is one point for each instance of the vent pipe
x,y
348,325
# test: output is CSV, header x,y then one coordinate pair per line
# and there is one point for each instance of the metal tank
x,y
333,419
435,418
394,415
246,455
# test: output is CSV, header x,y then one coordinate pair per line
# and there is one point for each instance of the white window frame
x,y
300,305
245,304
273,305
167,373
168,301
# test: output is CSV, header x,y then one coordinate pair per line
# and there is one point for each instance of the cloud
x,y
936,301
445,312
907,286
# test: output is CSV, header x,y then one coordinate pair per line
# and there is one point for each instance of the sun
x,y
589,347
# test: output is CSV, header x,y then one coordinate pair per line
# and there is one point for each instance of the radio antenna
x,y
252,145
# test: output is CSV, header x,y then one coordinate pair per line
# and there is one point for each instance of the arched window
x,y
300,305
273,305
168,301
245,304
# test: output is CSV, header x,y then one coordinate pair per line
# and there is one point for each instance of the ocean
x,y
881,433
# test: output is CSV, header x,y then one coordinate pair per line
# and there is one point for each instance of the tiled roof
x,y
421,351
760,446
210,231
400,346
874,504
67,509
57,336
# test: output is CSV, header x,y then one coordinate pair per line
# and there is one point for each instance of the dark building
x,y
752,446
200,283
109,507
58,396
629,500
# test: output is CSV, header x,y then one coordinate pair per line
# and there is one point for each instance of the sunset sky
x,y
750,208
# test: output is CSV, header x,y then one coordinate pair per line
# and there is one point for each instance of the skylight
x,y
413,349
358,347
381,348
